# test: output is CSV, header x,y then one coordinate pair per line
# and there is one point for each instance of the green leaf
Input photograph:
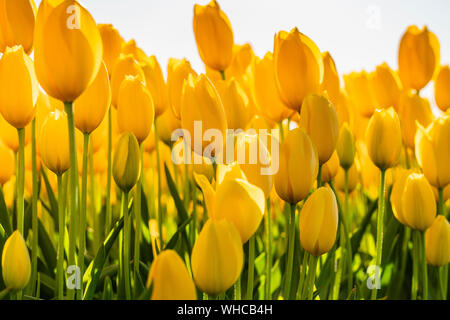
x,y
51,196
358,235
4,215
93,272
46,246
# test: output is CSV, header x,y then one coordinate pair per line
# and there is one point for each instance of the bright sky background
x,y
359,34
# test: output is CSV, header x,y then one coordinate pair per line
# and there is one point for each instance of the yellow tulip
x,y
130,47
201,102
213,35
359,91
298,67
319,119
112,45
217,257
437,242
383,138
331,83
353,178
442,88
90,108
126,65
265,90
156,85
345,147
418,57
385,87
319,221
330,168
17,19
255,159
126,163
170,278
242,204
177,72
167,123
413,109
16,266
229,171
43,109
243,56
418,205
204,168
432,151
54,142
7,164
19,88
68,50
344,110
10,137
299,164
235,103
135,111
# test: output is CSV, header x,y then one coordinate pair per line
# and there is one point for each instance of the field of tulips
x,y
257,178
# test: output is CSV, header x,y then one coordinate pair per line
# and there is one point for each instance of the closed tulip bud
x,y
418,204
135,111
177,72
442,88
201,102
217,257
19,88
418,57
66,29
265,90
330,83
437,242
385,86
330,168
432,152
413,109
54,143
112,45
213,35
384,138
235,103
319,119
90,108
126,163
7,163
299,164
353,178
345,147
126,65
242,204
319,221
16,266
298,67
17,18
156,85
170,279
357,85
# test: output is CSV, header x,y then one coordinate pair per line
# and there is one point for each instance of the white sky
x,y
358,34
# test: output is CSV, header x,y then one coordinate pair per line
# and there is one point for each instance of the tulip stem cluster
x,y
290,253
251,267
268,291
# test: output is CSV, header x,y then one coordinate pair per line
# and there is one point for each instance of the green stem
x,y
237,289
408,165
380,218
424,265
137,217
290,260
20,180
280,126
108,177
268,288
416,258
312,276
158,167
348,223
82,232
126,246
34,203
301,282
441,204
441,282
61,233
73,171
222,74
319,177
251,267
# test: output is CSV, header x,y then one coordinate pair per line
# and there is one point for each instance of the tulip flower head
x,y
126,163
16,265
346,147
437,242
442,88
112,45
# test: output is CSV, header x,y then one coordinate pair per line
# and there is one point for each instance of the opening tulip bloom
x,y
90,108
17,19
298,67
385,86
442,88
112,45
319,222
418,57
217,257
299,165
213,35
170,278
331,82
68,50
357,85
384,138
156,85
19,88
16,265
437,242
